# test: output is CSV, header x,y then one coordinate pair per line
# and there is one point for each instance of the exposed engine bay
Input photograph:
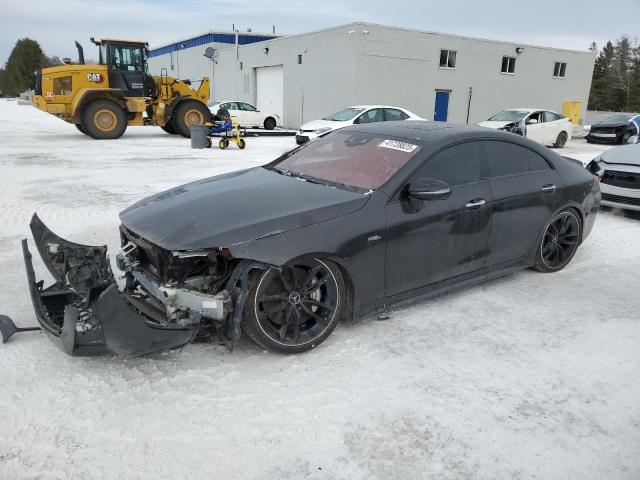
x,y
168,298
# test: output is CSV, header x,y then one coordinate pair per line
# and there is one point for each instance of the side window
x,y
246,107
231,106
510,159
391,114
456,165
551,116
537,116
373,115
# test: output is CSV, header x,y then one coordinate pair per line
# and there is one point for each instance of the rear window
x,y
510,159
360,160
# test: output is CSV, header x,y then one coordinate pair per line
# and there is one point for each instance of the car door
x,y
536,131
434,240
525,190
370,116
250,115
553,124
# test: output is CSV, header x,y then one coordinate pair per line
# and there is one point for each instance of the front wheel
x,y
561,141
242,144
168,128
559,242
295,308
80,129
187,113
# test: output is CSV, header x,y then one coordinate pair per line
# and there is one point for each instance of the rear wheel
x,y
103,120
187,113
269,123
223,143
242,144
296,308
168,128
561,141
559,242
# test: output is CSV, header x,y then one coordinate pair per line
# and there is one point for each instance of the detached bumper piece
x,y
83,311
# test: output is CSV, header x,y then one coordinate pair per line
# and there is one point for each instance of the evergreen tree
x,y
26,57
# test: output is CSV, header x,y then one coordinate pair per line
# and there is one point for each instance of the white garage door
x,y
269,90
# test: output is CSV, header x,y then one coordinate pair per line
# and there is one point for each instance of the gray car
x,y
619,172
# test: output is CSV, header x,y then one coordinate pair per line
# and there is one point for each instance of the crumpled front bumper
x,y
83,311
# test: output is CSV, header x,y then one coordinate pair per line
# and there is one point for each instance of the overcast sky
x,y
56,24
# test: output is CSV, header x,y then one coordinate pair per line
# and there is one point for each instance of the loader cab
x,y
127,66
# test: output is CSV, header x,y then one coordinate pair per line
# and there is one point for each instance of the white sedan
x,y
247,115
350,116
543,126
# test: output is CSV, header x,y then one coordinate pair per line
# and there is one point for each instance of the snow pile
x,y
528,376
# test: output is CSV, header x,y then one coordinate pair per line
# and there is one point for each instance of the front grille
x,y
603,130
620,199
621,179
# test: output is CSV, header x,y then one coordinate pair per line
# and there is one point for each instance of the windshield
x,y
509,116
617,119
344,115
363,161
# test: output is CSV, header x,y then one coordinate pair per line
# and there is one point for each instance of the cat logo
x,y
95,77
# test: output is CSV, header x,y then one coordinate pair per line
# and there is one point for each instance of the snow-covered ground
x,y
529,376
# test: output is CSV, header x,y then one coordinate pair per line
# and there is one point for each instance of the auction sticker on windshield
x,y
400,146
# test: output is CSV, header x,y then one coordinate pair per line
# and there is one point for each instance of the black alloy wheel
x,y
559,242
294,309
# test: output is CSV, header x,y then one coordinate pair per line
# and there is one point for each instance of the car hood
x,y
317,124
624,155
235,208
494,124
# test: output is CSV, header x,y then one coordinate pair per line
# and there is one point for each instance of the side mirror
x,y
531,121
634,139
428,189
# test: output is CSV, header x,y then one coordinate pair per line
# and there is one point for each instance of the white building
x,y
437,76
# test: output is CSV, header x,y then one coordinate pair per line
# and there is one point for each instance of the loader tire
x,y
103,120
80,129
169,128
187,113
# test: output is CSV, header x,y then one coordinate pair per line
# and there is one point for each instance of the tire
x,y
269,123
561,141
80,129
559,242
169,128
242,144
223,143
296,309
187,113
103,120
209,142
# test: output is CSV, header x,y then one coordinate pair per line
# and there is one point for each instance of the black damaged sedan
x,y
344,226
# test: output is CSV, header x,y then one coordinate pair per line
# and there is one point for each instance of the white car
x,y
247,115
350,116
543,126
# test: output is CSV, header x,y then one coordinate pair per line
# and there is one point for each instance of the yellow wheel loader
x,y
102,100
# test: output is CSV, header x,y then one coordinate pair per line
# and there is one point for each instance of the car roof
x,y
375,106
527,109
416,129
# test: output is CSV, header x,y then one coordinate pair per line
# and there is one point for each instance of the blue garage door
x,y
441,109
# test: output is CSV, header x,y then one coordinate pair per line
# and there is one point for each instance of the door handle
x,y
549,188
476,203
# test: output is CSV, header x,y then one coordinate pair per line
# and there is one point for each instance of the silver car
x,y
619,172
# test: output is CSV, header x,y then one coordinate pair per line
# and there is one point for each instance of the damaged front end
x,y
168,297
519,128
